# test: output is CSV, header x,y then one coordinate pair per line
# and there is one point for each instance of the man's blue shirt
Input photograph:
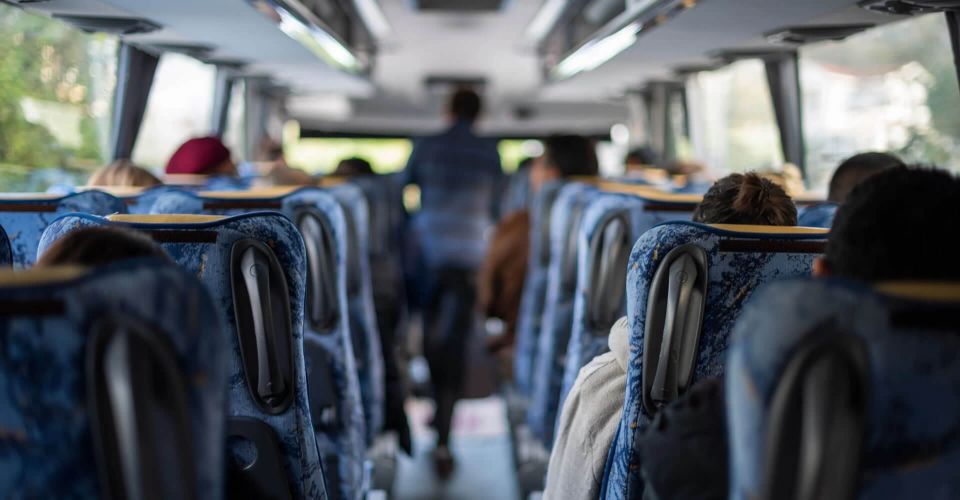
x,y
459,176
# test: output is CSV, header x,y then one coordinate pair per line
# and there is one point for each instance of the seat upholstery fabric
x,y
347,439
817,215
24,219
534,288
204,249
6,253
587,340
557,310
733,275
46,446
910,445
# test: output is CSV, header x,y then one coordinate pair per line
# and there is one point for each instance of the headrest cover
x,y
198,156
267,192
164,219
40,276
919,290
756,229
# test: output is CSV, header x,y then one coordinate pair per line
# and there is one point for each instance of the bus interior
x,y
341,288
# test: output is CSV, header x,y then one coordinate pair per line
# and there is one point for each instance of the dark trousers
x,y
448,320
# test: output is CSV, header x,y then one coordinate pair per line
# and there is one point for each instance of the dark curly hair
x,y
746,199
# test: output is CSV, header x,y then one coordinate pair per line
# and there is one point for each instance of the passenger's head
x,y
746,199
465,106
855,170
895,226
98,246
353,167
123,173
270,151
640,158
202,156
564,156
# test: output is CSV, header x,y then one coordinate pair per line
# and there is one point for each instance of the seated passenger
x,y
123,173
277,171
874,238
352,167
855,170
98,246
202,156
505,264
592,410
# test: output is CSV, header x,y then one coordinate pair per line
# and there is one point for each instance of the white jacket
x,y
589,422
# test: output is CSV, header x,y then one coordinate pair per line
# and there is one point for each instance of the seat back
x,y
329,345
557,309
611,224
6,253
838,391
254,266
24,217
112,384
534,287
362,314
820,215
686,286
516,194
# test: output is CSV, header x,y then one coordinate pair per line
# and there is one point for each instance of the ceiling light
x,y
595,52
544,21
618,35
373,18
301,25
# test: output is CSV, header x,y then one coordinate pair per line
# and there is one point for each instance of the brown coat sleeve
x,y
502,274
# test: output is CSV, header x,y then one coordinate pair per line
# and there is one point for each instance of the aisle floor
x,y
481,445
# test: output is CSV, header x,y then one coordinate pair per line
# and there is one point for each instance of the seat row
x,y
308,244
604,250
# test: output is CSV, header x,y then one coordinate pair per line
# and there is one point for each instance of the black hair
x,y
898,225
746,199
855,169
465,105
527,162
353,166
98,246
572,155
643,155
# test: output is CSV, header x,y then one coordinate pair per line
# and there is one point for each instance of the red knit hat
x,y
198,156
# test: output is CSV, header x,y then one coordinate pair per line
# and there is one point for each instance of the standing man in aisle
x,y
458,175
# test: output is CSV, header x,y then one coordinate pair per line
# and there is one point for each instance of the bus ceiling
x,y
589,63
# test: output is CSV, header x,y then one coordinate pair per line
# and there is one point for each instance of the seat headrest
x,y
651,193
29,196
257,193
756,229
164,218
921,290
40,276
118,191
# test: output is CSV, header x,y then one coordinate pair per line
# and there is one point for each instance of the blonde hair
x,y
123,173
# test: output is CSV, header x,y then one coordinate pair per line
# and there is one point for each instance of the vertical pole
x,y
135,72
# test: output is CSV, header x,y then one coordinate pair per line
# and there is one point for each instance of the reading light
x,y
373,17
298,23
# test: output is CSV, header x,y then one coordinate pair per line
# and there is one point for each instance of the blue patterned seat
x,y
534,287
254,265
717,269
6,253
25,217
887,412
362,314
820,215
567,212
65,333
328,340
611,224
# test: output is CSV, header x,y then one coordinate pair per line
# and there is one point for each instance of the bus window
x,y
56,97
892,88
320,155
180,107
737,123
